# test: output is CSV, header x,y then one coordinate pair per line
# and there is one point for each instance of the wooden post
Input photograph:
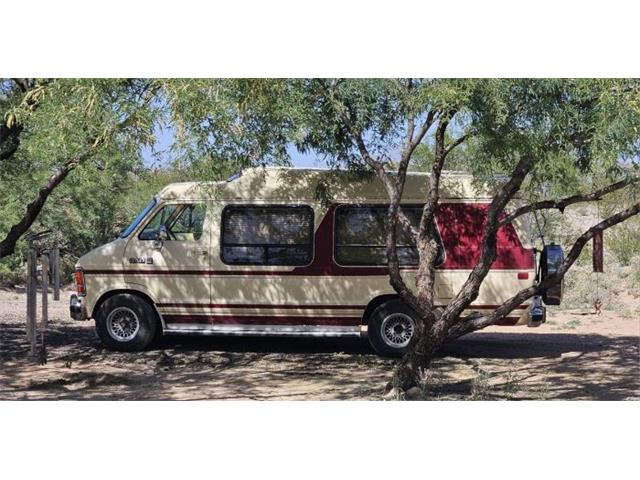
x,y
598,252
45,290
55,272
28,296
45,307
32,299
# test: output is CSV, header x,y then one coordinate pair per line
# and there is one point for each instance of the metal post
x,y
55,273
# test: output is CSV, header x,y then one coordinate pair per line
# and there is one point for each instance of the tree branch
x,y
422,131
376,165
8,244
456,142
565,202
394,192
426,244
24,84
469,291
475,323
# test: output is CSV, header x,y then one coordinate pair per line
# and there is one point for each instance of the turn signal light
x,y
80,288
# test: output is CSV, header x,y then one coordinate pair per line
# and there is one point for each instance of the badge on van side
x,y
147,260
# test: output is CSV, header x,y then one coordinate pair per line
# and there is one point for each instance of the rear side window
x,y
360,236
184,222
267,235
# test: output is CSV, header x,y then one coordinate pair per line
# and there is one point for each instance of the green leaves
x,y
582,132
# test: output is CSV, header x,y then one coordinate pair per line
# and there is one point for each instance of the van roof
x,y
293,184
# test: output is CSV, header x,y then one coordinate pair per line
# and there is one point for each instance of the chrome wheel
x,y
397,330
123,324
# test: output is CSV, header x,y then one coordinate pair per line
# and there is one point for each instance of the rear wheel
x,y
126,322
391,327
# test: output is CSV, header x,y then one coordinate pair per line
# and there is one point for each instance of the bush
x,y
10,276
583,286
624,240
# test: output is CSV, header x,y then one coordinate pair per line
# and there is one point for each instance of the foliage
x,y
459,159
222,126
96,128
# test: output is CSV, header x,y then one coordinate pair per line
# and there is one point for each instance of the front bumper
x,y
76,308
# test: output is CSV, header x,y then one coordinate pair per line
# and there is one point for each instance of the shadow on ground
x,y
480,366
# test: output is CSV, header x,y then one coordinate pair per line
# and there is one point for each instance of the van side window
x,y
360,236
269,235
184,222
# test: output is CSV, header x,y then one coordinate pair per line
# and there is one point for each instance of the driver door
x,y
175,270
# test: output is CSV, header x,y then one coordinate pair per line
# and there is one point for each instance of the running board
x,y
266,330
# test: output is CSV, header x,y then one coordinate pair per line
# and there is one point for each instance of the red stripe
x,y
344,271
284,320
266,320
256,305
345,307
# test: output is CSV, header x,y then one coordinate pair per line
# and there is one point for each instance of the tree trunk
x,y
8,245
412,369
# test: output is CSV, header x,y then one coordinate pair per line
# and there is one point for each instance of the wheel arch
x,y
111,293
375,303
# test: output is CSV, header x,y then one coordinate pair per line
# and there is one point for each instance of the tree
x,y
528,136
553,142
52,127
95,128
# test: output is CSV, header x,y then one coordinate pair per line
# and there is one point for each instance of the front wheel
x,y
126,323
391,327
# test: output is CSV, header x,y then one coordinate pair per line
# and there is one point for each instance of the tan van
x,y
276,251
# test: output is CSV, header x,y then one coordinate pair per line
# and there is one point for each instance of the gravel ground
x,y
575,356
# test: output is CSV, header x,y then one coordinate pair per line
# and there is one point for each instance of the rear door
x,y
173,272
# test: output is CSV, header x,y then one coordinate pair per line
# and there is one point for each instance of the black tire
x,y
396,312
126,323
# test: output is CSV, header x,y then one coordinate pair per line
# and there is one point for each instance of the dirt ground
x,y
574,356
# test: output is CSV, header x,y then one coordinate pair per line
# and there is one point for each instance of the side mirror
x,y
163,233
161,236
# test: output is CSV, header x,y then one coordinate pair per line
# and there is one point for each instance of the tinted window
x,y
267,235
360,236
184,222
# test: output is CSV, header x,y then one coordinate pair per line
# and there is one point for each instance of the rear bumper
x,y
76,308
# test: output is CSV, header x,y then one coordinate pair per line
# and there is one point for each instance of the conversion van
x,y
288,252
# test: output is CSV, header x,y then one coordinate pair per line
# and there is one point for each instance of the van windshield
x,y
132,226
